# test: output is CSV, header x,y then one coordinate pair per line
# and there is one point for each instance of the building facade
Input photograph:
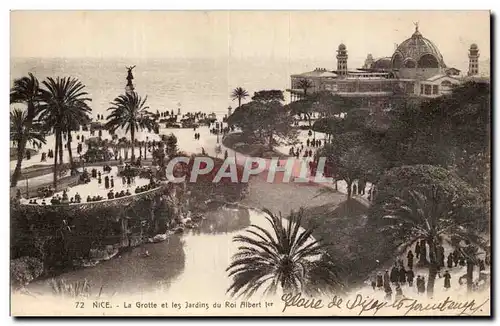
x,y
416,68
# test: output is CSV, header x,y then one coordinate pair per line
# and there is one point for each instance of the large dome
x,y
417,52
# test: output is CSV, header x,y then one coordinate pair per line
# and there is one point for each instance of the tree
x,y
265,118
129,111
267,96
302,106
65,106
23,270
287,258
349,160
239,93
452,131
25,90
304,84
19,133
428,203
74,125
329,126
171,144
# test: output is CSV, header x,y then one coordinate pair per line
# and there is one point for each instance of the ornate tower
x,y
473,60
342,60
368,61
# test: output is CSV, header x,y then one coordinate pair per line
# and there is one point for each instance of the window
x,y
434,89
421,89
427,89
446,83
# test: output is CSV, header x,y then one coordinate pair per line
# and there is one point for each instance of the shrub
x,y
77,289
25,269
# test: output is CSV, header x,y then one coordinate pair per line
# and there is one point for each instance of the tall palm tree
x,y
65,106
19,133
129,111
287,258
431,216
240,94
304,84
25,90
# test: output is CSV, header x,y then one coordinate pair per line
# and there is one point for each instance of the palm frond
x,y
282,257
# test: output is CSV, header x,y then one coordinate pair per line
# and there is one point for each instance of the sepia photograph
x,y
250,163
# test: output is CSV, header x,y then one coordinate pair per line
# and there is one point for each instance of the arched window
x,y
446,83
397,61
410,64
428,61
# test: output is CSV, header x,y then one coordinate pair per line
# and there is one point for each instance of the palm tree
x,y
19,133
25,90
288,257
129,112
304,84
240,94
65,106
431,216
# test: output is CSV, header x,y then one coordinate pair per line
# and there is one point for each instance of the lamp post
x,y
27,189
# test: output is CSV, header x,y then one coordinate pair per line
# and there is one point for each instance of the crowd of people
x,y
151,185
59,200
306,151
400,276
118,194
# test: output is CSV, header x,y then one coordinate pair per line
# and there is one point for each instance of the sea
x,y
189,84
192,85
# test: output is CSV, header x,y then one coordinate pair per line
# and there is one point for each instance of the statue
x,y
416,27
129,75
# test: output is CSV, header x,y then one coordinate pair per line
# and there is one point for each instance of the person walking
x,y
440,254
394,274
410,276
402,275
447,280
388,292
449,260
387,279
409,256
399,293
456,257
380,281
422,285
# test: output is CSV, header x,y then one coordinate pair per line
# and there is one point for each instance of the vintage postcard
x,y
250,163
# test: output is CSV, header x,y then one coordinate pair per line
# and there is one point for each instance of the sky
x,y
295,35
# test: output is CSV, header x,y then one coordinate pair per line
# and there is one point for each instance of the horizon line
x,y
271,58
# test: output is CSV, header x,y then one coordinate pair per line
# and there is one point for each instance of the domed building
x,y
416,68
417,57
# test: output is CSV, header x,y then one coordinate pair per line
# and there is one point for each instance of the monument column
x,y
129,89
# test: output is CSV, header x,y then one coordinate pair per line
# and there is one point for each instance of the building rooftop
x,y
319,72
436,77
